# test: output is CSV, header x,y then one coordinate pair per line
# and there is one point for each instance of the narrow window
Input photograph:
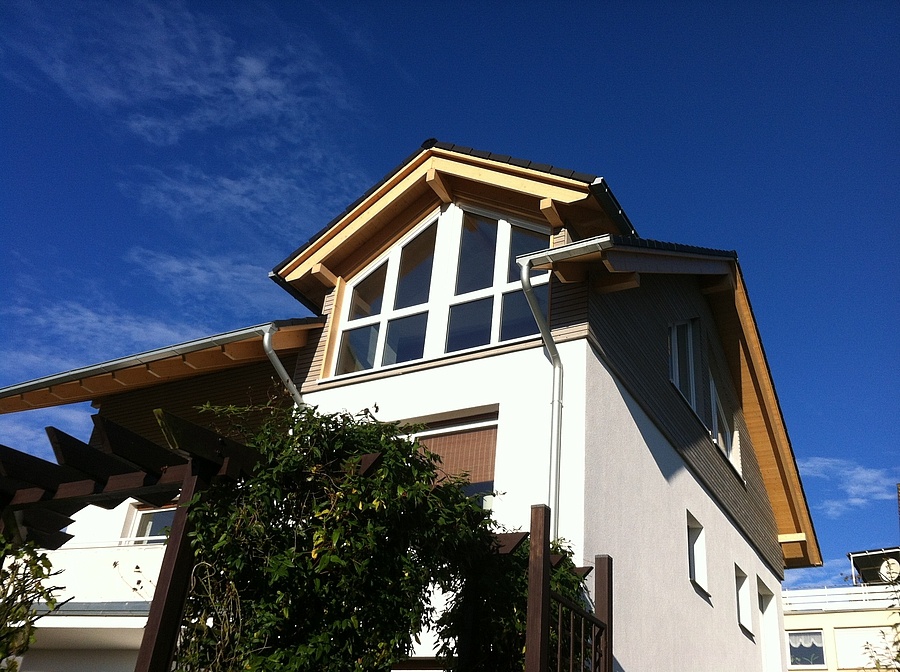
x,y
806,648
696,553
368,295
721,424
414,276
681,360
742,598
770,635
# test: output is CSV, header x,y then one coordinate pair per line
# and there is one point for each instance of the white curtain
x,y
805,639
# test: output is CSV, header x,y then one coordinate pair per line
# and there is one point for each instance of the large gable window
x,y
450,285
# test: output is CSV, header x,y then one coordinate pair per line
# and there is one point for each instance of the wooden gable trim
x,y
430,178
765,422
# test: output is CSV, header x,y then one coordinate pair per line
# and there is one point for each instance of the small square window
x,y
470,324
806,648
153,526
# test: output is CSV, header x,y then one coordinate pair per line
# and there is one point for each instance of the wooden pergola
x,y
38,497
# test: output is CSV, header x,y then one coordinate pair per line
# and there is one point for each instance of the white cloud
x,y
853,485
215,286
172,71
68,335
25,430
833,572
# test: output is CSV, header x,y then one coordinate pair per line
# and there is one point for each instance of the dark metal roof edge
x,y
132,608
290,289
154,355
650,244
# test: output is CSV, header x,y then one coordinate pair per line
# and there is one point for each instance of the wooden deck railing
x,y
570,638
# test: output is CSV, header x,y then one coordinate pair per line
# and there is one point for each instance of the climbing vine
x,y
312,565
24,576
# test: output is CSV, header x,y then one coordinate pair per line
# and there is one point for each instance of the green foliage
x,y
310,566
24,572
884,654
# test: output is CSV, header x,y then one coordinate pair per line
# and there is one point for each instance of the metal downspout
x,y
556,402
268,333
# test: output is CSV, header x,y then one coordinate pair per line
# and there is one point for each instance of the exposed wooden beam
x,y
321,273
437,183
791,538
548,207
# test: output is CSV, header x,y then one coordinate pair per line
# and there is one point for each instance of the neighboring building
x,y
848,627
663,445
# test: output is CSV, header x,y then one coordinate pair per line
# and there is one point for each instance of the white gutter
x,y
268,332
526,262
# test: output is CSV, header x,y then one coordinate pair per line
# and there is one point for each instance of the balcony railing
x,y
850,598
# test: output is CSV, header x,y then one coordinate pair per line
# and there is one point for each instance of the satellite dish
x,y
889,570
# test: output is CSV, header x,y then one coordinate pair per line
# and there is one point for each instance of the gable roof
x,y
439,173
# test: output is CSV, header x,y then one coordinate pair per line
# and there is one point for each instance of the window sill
x,y
525,343
701,591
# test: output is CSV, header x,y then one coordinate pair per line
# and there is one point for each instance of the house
x,y
555,356
847,627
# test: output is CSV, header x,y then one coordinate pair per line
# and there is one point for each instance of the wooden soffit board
x,y
156,371
765,423
433,177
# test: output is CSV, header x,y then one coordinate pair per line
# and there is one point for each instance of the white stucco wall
x,y
638,493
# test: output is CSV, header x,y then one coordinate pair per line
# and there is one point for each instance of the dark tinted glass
x,y
416,261
405,339
523,241
358,349
469,325
516,319
368,295
476,254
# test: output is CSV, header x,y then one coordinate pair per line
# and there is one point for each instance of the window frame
x,y
675,364
139,515
742,596
806,666
441,296
698,562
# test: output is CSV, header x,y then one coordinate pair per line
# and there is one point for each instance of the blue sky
x,y
158,158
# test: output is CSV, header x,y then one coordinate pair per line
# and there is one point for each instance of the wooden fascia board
x,y
431,165
160,371
773,447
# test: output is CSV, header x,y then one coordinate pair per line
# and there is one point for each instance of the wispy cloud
x,y
218,286
249,113
852,485
25,430
67,335
833,572
173,71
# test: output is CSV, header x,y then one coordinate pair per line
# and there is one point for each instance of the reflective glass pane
x,y
470,324
358,349
405,339
415,270
516,319
523,241
476,254
368,294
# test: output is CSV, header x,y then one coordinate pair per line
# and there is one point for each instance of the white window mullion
x,y
446,247
501,270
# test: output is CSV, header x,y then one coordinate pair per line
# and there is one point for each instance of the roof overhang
x,y
438,174
620,261
193,358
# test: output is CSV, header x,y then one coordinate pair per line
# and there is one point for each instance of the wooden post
x,y
537,627
167,608
603,603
